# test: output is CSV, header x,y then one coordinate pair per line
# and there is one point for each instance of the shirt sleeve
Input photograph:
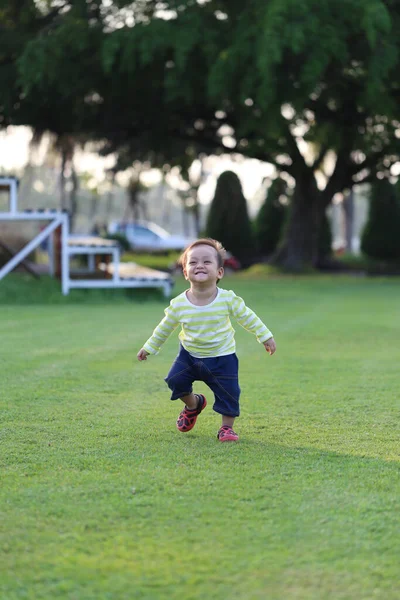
x,y
249,320
162,332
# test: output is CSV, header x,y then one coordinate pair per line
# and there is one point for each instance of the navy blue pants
x,y
220,373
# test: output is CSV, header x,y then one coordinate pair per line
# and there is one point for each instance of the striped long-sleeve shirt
x,y
207,331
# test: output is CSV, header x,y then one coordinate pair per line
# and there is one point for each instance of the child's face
x,y
202,265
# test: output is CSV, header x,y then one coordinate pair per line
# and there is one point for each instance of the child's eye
x,y
192,262
207,262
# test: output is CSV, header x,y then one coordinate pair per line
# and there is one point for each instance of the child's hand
x,y
270,346
142,354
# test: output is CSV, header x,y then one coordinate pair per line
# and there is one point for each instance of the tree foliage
x,y
311,87
228,220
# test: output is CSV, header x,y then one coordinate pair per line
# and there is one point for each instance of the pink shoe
x,y
187,418
226,434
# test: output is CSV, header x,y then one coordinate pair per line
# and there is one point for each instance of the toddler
x,y
207,349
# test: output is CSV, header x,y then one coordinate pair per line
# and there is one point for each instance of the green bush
x,y
381,236
228,219
325,238
270,218
121,239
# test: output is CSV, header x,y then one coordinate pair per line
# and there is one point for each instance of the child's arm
x,y
251,322
160,334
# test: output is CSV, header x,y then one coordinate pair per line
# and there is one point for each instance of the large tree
x,y
310,86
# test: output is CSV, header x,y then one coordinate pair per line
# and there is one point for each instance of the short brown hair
x,y
218,247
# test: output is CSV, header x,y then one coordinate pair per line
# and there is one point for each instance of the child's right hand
x,y
142,354
270,346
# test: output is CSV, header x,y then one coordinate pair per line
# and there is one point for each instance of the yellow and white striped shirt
x,y
207,330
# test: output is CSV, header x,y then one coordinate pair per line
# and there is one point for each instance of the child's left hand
x,y
142,354
270,346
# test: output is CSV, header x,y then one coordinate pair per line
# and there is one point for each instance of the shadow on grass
x,y
203,448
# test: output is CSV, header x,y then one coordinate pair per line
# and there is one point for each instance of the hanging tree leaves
x,y
311,87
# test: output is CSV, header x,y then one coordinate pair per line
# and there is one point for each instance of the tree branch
x,y
340,178
299,163
320,109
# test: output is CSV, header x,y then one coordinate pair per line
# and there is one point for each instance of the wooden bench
x,y
104,267
114,273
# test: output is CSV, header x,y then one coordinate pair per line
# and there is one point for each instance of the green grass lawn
x,y
102,498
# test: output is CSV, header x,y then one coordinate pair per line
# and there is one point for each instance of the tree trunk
x,y
196,212
348,208
73,197
63,197
143,205
134,204
110,201
299,248
185,220
94,203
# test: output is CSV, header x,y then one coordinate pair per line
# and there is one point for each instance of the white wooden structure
x,y
110,273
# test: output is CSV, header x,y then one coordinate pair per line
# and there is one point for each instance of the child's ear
x,y
221,272
184,273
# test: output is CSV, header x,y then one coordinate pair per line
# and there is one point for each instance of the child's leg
x,y
191,401
180,380
222,379
229,421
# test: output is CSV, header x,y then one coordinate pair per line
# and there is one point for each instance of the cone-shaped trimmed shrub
x,y
381,236
228,219
270,218
325,238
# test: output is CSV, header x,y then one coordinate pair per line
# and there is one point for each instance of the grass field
x,y
101,497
